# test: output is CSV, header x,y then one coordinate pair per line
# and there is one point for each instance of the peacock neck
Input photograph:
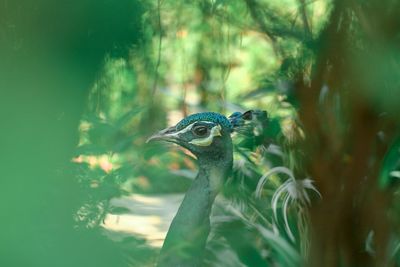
x,y
214,169
186,239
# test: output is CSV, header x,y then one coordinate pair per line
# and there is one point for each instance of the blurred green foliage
x,y
84,83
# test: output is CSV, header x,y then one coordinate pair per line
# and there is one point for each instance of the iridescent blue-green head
x,y
206,135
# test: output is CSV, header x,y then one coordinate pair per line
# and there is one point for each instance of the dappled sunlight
x,y
103,162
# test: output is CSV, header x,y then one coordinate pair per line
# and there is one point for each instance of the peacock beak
x,y
169,135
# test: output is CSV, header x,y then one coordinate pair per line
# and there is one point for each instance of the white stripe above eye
x,y
206,141
188,128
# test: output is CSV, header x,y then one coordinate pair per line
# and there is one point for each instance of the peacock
x,y
208,136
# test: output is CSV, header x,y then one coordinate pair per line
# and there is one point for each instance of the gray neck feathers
x,y
187,235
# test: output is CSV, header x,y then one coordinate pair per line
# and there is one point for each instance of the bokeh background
x,y
84,83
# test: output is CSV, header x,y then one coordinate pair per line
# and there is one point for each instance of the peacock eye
x,y
200,131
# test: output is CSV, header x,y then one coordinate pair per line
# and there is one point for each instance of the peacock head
x,y
205,134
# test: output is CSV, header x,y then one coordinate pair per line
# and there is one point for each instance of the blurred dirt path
x,y
148,217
